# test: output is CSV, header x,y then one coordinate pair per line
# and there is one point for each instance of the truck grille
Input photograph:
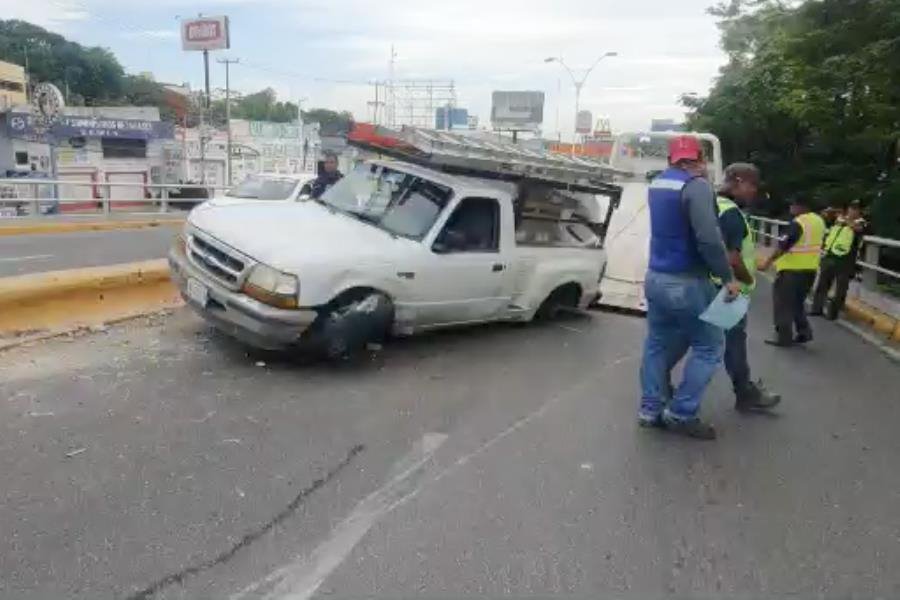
x,y
216,259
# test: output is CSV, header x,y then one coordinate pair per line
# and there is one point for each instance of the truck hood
x,y
288,235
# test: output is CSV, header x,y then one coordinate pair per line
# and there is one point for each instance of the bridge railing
x,y
27,197
768,231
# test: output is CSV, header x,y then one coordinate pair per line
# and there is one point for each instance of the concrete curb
x,y
58,301
885,325
35,228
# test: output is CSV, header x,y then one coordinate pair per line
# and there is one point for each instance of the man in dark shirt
x,y
739,191
328,177
839,261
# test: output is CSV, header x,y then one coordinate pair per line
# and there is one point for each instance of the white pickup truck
x,y
392,247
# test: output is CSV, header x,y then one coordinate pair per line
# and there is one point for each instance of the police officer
x,y
838,261
328,177
740,189
685,249
797,260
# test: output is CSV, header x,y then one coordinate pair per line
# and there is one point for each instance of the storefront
x,y
89,146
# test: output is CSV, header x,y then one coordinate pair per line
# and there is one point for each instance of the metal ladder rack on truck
x,y
589,180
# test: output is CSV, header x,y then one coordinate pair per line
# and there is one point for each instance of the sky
x,y
329,52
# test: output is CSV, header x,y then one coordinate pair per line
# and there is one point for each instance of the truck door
x,y
467,278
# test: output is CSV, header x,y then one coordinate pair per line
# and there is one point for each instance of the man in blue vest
x,y
685,250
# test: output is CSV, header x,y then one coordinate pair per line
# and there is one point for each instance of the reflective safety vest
x,y
840,240
806,254
748,245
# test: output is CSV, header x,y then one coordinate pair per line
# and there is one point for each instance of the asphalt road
x,y
20,254
159,459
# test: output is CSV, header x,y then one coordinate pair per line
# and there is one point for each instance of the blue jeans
x,y
674,305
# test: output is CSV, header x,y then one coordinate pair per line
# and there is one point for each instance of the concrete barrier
x,y
65,300
50,226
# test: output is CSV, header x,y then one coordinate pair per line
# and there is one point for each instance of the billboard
x,y
522,111
446,117
584,122
205,33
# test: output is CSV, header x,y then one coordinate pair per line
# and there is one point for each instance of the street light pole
x,y
228,62
578,83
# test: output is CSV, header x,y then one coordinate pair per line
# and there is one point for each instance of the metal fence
x,y
768,231
24,197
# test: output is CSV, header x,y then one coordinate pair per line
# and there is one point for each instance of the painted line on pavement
x,y
301,579
24,258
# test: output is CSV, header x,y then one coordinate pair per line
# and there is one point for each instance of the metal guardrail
x,y
769,230
157,195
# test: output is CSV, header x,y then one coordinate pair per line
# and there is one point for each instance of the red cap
x,y
684,147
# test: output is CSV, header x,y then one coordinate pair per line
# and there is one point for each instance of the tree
x,y
812,94
91,74
330,122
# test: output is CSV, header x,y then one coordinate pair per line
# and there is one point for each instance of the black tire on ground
x,y
565,296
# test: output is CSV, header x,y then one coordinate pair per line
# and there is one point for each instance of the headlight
x,y
272,287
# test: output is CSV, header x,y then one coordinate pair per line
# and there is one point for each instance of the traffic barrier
x,y
65,300
48,226
883,324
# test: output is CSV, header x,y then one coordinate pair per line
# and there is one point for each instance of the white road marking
x,y
24,258
300,579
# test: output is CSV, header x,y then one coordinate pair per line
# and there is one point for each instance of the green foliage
x,y
264,106
331,122
811,93
89,74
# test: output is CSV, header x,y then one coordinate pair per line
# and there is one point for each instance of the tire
x,y
563,297
351,323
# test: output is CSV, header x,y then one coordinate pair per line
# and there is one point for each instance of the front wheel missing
x,y
345,328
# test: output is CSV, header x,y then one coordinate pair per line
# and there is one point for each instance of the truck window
x,y
473,227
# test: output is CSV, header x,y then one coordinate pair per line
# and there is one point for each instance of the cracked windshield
x,y
338,299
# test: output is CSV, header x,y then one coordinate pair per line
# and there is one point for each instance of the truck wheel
x,y
563,297
353,322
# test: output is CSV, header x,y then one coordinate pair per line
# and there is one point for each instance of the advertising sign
x,y
23,126
205,33
584,122
521,111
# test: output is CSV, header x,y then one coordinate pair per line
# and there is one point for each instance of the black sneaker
x,y
816,313
756,398
694,428
803,338
656,423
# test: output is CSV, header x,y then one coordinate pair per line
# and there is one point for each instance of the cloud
x,y
151,34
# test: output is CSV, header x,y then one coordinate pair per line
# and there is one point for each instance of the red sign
x,y
205,33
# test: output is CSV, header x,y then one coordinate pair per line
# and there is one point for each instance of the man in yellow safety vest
x,y
739,190
838,261
797,260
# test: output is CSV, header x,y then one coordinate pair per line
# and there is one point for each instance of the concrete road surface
x,y
20,254
162,460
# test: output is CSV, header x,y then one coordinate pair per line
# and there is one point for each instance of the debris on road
x,y
76,452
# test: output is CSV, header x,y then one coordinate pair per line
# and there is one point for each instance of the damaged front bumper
x,y
236,314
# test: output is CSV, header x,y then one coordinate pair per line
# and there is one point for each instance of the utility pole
x,y
228,62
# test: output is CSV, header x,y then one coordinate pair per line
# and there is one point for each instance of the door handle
x,y
498,267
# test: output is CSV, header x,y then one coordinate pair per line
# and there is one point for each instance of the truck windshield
x,y
400,203
264,188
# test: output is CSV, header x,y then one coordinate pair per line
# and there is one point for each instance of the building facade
x,y
87,146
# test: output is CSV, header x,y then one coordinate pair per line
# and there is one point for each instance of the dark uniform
x,y
837,268
324,181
